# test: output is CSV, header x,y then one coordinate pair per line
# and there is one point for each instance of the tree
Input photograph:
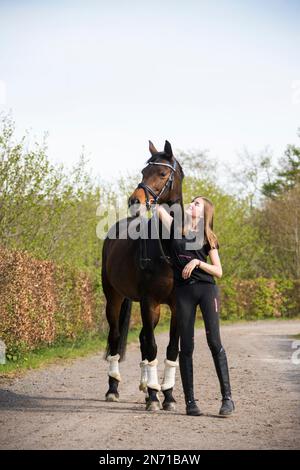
x,y
199,164
43,208
280,229
248,176
287,175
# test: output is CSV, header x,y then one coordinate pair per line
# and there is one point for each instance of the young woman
x,y
195,285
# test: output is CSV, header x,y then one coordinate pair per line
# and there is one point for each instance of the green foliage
x,y
229,300
240,247
265,301
259,298
287,175
52,213
43,208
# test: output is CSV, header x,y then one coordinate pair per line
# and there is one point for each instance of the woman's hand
x,y
164,216
187,270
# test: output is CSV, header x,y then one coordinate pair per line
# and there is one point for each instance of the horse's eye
x,y
163,173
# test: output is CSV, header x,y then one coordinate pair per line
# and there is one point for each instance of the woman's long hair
x,y
209,235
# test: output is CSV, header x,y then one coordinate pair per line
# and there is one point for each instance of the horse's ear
x,y
152,148
168,149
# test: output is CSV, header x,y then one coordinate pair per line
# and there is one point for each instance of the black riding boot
x,y
186,372
221,365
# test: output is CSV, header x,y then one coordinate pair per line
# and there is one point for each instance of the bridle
x,y
144,260
168,184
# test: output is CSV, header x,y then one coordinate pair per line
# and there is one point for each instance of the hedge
x,y
42,303
259,298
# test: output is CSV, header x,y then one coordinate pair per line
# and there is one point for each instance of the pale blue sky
x,y
109,75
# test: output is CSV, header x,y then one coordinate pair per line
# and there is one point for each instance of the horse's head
x,y
162,179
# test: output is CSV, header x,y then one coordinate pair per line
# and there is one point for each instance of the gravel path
x,y
63,407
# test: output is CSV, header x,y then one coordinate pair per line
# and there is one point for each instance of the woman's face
x,y
196,208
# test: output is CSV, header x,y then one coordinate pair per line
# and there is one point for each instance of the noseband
x,y
168,184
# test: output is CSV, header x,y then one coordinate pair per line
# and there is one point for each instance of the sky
x,y
109,75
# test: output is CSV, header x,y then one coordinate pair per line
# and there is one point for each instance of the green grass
x,y
52,354
81,348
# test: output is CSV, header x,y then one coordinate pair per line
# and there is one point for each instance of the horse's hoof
x,y
153,406
169,406
111,397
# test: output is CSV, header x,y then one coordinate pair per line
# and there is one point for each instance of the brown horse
x,y
138,270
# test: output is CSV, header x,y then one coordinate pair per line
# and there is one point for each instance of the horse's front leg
x,y
150,311
143,365
171,363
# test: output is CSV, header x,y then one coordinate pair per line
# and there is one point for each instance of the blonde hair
x,y
209,210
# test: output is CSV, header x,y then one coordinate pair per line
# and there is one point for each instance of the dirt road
x,y
63,407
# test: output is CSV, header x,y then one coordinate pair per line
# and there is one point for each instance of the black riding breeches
x,y
188,297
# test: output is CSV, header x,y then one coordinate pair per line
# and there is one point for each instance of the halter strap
x,y
169,182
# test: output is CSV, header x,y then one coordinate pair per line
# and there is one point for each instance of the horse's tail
x,y
124,321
